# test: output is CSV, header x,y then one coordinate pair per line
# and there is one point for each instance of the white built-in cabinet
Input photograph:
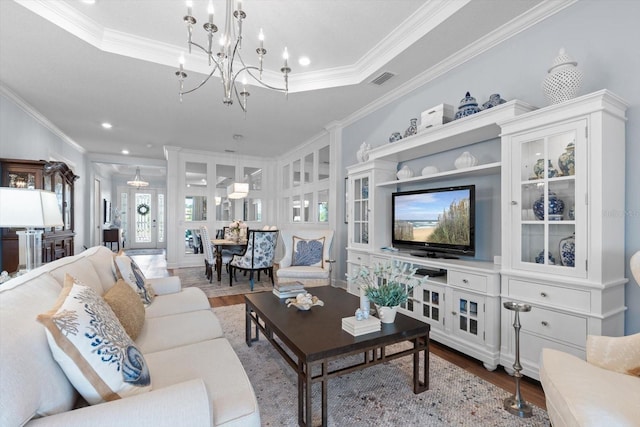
x,y
572,294
569,265
462,305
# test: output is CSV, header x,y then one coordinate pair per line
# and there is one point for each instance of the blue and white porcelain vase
x,y
556,206
467,107
538,169
396,136
412,129
566,161
540,258
568,251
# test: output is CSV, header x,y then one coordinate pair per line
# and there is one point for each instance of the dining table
x,y
219,244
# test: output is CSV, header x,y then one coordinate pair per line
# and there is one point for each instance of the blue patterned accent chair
x,y
258,256
305,258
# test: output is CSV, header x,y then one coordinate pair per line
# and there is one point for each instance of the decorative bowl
x,y
304,302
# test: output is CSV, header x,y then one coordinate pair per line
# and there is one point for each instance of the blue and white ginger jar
x,y
468,106
566,161
568,251
556,206
538,169
540,258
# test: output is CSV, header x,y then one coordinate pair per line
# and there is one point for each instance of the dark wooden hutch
x,y
57,242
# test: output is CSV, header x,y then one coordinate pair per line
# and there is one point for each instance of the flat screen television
x,y
438,222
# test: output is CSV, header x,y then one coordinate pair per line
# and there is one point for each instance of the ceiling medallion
x,y
229,55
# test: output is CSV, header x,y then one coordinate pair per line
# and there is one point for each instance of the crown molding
x,y
515,26
427,17
35,114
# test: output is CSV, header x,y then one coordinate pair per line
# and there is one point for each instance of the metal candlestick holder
x,y
515,404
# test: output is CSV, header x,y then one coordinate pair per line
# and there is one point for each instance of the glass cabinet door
x,y
551,196
360,208
468,312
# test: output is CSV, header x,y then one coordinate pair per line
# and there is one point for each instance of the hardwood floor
x,y
530,389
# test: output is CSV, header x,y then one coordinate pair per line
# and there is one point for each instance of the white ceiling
x,y
80,65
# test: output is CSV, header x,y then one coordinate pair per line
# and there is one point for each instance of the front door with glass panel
x,y
146,219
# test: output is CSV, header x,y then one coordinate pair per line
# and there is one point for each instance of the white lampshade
x,y
21,207
238,190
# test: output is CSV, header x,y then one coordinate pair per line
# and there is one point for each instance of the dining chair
x,y
209,256
258,255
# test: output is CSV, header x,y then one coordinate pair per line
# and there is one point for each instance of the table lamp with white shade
x,y
30,209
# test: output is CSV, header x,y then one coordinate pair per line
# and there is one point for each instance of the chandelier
x,y
137,180
229,55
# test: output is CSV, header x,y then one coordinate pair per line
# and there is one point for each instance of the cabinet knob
x,y
543,294
454,313
465,281
513,202
545,323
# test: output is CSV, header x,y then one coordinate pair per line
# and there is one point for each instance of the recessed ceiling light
x,y
304,61
88,1
107,125
149,145
237,136
125,151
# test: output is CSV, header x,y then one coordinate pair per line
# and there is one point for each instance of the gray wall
x,y
22,136
600,35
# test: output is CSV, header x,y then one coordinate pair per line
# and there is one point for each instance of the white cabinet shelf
x,y
468,130
480,170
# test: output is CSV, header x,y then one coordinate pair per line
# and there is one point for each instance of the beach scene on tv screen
x,y
439,217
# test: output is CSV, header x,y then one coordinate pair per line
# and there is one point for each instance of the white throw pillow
x,y
128,270
92,347
307,252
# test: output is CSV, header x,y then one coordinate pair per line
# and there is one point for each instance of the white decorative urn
x,y
466,160
404,172
564,79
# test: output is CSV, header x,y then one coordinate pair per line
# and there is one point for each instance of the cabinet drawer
x,y
467,280
559,326
531,346
550,295
358,258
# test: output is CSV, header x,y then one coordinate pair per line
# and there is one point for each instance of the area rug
x,y
376,396
194,276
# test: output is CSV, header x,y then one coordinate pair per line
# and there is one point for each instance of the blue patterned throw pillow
x,y
92,347
131,273
307,252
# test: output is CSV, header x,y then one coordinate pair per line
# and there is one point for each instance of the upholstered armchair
x,y
258,256
305,257
601,390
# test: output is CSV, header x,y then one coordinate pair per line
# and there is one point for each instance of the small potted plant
x,y
388,286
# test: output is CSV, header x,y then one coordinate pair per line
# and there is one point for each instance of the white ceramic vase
x,y
387,314
429,170
466,160
404,172
564,79
363,153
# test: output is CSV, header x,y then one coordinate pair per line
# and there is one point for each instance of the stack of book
x,y
360,327
288,290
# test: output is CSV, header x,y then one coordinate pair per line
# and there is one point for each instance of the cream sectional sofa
x,y
196,377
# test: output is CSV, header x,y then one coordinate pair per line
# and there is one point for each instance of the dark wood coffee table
x,y
315,337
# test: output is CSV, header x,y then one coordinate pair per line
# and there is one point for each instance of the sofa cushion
x,y
82,269
307,252
161,333
103,261
619,354
92,347
188,299
127,269
127,307
31,382
233,401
